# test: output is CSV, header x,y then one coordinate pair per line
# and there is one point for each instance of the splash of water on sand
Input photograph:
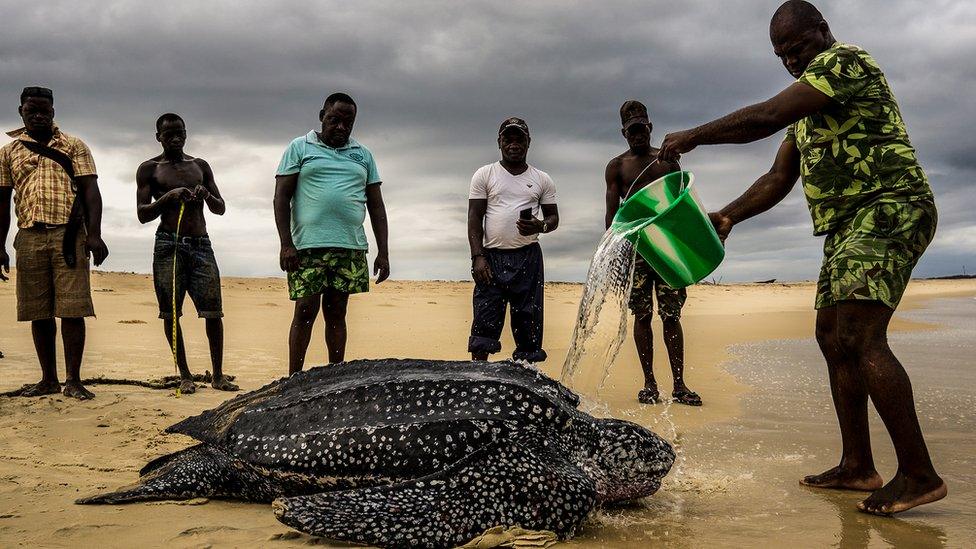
x,y
601,324
601,328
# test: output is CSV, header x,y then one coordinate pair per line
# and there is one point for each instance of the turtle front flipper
x,y
506,483
198,471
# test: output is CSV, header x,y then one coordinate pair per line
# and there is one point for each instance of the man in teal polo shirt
x,y
324,185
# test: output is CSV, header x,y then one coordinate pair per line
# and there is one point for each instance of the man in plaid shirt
x,y
48,285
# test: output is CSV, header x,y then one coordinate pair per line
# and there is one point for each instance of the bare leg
x,y
334,305
644,340
863,327
45,332
186,378
73,338
856,469
674,340
306,309
215,336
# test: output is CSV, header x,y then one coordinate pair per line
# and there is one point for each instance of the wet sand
x,y
766,421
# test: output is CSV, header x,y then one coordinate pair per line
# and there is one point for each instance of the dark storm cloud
x,y
433,80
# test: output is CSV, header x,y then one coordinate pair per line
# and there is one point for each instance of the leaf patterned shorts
x,y
321,269
872,257
648,283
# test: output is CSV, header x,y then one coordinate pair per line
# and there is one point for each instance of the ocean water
x,y
737,482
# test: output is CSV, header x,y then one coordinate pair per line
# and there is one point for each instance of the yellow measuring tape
x,y
176,250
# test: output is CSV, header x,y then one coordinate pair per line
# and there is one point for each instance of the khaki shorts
x,y
872,257
46,287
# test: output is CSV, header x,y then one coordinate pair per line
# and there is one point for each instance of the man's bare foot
x,y
222,384
41,388
75,389
903,493
187,387
839,478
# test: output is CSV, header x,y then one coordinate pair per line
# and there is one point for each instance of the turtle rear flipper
x,y
506,483
198,471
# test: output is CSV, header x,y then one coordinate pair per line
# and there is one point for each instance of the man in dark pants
x,y
868,195
506,260
163,184
48,285
626,174
325,184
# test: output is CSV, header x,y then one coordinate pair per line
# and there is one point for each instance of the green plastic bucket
x,y
670,228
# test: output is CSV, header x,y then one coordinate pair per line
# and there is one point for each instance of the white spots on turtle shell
x,y
423,423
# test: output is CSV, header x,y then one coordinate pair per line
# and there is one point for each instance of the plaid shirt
x,y
43,191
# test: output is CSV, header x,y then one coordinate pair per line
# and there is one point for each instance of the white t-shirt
x,y
507,195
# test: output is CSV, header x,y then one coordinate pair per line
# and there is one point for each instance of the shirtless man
x,y
164,183
625,175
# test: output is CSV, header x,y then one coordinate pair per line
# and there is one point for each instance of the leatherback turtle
x,y
410,452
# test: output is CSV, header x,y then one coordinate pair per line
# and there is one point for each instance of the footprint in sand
x,y
132,322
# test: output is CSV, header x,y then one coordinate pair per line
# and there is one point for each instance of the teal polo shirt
x,y
329,205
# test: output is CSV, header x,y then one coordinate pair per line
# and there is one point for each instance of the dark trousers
x,y
517,279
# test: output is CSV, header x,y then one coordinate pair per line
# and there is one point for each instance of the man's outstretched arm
x,y
765,193
749,124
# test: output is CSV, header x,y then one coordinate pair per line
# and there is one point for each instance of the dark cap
x,y
36,91
633,112
514,122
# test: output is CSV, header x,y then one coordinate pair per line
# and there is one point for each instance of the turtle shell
x,y
382,421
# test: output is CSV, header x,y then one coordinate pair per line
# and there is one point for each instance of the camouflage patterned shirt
x,y
856,150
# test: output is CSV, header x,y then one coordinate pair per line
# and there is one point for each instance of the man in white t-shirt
x,y
506,259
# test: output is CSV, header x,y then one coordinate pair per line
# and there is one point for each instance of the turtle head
x,y
629,461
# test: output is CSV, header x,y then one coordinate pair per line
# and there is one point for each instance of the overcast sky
x,y
434,79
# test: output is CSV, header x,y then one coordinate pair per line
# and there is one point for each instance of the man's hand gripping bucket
x,y
670,228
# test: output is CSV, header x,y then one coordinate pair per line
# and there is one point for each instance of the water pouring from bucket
x,y
667,224
670,228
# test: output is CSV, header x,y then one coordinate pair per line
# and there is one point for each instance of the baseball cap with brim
x,y
633,112
635,120
516,123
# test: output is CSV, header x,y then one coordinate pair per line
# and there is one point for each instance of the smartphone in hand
x,y
525,214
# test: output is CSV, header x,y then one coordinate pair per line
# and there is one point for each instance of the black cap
x,y
633,112
514,122
36,91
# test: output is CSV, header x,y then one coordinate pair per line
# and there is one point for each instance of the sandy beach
x,y
766,421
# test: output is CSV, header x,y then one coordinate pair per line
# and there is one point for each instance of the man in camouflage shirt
x,y
870,198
